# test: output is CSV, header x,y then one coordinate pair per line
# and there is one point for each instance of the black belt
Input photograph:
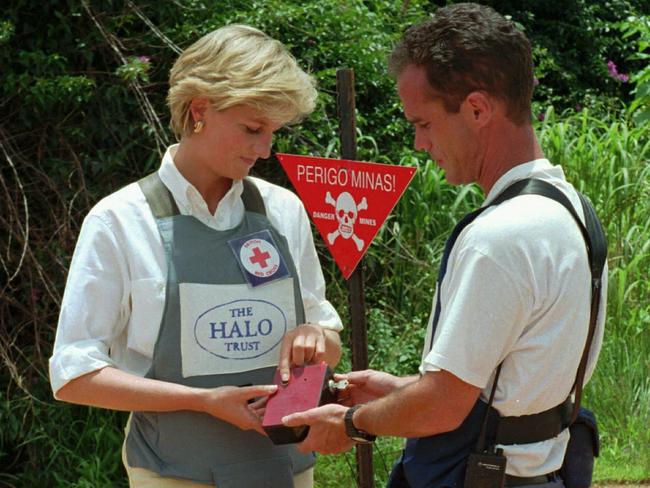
x,y
531,480
536,427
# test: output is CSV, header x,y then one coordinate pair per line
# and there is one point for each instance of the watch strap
x,y
353,433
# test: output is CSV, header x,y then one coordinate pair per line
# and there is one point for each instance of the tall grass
x,y
606,157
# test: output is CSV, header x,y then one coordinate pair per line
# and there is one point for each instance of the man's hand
x,y
230,403
365,386
326,429
306,344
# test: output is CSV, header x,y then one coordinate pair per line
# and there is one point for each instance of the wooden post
x,y
358,334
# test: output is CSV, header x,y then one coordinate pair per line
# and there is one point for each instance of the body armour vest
x,y
231,296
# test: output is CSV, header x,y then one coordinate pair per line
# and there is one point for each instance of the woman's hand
x,y
308,344
258,406
118,390
231,404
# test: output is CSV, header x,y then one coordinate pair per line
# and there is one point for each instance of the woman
x,y
189,284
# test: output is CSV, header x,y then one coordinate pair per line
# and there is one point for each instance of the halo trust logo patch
x,y
241,329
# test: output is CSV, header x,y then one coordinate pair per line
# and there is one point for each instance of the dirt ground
x,y
631,485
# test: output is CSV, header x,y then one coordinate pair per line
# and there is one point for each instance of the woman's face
x,y
234,138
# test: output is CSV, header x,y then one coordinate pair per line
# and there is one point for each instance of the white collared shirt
x,y
119,261
517,290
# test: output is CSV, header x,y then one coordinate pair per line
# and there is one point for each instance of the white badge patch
x,y
259,257
233,328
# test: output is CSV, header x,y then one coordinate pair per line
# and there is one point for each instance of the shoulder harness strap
x,y
548,424
163,205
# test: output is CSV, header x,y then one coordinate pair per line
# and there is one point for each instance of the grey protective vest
x,y
191,445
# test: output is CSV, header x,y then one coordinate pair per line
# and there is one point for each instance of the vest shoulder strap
x,y
253,201
163,205
158,197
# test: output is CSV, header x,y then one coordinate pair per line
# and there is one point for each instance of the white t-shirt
x,y
115,291
517,291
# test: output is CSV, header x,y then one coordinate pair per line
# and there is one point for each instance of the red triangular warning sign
x,y
348,201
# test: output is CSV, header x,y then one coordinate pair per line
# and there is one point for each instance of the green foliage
x,y
82,112
135,69
638,28
6,31
572,44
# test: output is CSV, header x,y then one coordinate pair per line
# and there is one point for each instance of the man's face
x,y
445,136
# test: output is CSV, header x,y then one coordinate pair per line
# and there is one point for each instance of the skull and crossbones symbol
x,y
347,211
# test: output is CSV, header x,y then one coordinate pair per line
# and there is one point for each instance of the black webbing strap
x,y
545,425
597,259
536,427
162,202
480,443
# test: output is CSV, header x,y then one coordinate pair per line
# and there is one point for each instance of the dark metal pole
x,y
358,334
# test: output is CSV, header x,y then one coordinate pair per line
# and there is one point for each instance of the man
x,y
516,291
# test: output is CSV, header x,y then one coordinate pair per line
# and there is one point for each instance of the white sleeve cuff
x,y
322,313
76,360
436,362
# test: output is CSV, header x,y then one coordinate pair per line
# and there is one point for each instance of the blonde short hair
x,y
238,64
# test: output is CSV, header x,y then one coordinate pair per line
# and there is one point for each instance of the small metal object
x,y
335,386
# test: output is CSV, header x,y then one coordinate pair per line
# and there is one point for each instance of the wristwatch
x,y
353,433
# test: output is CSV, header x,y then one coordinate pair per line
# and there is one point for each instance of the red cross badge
x,y
259,257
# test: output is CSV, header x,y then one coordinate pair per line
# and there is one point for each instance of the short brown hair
x,y
469,47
